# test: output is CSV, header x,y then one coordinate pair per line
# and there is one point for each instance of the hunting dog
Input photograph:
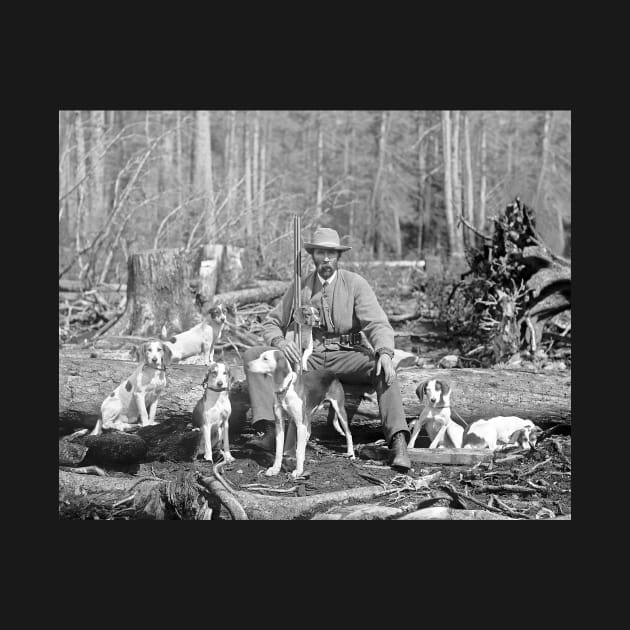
x,y
436,416
308,317
500,432
200,339
142,390
298,397
212,412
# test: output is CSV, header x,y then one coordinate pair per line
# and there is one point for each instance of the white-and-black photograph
x,y
315,314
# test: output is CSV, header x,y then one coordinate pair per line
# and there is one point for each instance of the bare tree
x,y
377,219
481,218
249,228
320,168
549,218
448,179
203,169
469,172
457,186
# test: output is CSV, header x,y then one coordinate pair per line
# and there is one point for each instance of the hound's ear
x,y
168,354
420,390
205,380
282,364
445,386
141,351
518,435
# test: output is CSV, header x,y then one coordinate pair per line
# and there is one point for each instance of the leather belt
x,y
351,339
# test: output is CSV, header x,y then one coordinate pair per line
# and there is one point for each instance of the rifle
x,y
297,285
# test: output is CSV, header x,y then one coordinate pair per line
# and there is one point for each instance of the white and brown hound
x,y
298,397
308,317
128,403
500,432
200,339
436,416
211,414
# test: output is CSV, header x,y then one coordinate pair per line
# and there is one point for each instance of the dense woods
x,y
393,183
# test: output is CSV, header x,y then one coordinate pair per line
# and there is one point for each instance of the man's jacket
x,y
353,308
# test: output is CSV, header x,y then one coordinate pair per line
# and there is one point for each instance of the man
x,y
347,305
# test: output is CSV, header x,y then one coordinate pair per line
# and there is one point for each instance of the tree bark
x,y
157,293
320,169
470,213
448,179
481,218
377,215
549,220
543,398
249,226
457,186
203,170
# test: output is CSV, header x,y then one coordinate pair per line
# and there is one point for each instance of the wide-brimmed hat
x,y
325,238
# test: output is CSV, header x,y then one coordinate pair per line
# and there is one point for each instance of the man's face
x,y
325,261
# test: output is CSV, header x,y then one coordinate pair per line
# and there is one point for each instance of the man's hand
x,y
384,363
290,350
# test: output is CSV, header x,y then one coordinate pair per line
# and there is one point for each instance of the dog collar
x,y
154,368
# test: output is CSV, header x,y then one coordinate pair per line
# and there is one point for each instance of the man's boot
x,y
267,441
399,446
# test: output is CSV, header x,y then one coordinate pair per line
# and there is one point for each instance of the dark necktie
x,y
326,307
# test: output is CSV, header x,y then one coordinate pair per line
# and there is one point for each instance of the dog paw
x,y
271,472
228,458
300,475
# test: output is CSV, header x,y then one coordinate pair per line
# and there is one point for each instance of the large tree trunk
x,y
448,180
469,209
549,221
543,398
203,170
481,216
320,169
377,218
457,186
158,293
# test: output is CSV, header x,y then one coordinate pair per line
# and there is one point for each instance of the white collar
x,y
330,280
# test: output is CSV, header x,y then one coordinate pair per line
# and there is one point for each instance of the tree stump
x,y
157,293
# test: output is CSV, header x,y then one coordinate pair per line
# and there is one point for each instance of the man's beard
x,y
327,269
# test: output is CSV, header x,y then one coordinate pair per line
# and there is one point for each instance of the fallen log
x,y
444,456
261,507
186,498
452,514
266,291
477,393
87,496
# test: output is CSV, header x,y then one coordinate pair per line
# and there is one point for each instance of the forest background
x,y
394,184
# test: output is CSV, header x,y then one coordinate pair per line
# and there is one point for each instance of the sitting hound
x,y
212,413
128,403
436,416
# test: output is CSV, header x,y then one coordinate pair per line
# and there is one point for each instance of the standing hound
x,y
200,339
298,397
500,432
212,412
436,416
142,390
